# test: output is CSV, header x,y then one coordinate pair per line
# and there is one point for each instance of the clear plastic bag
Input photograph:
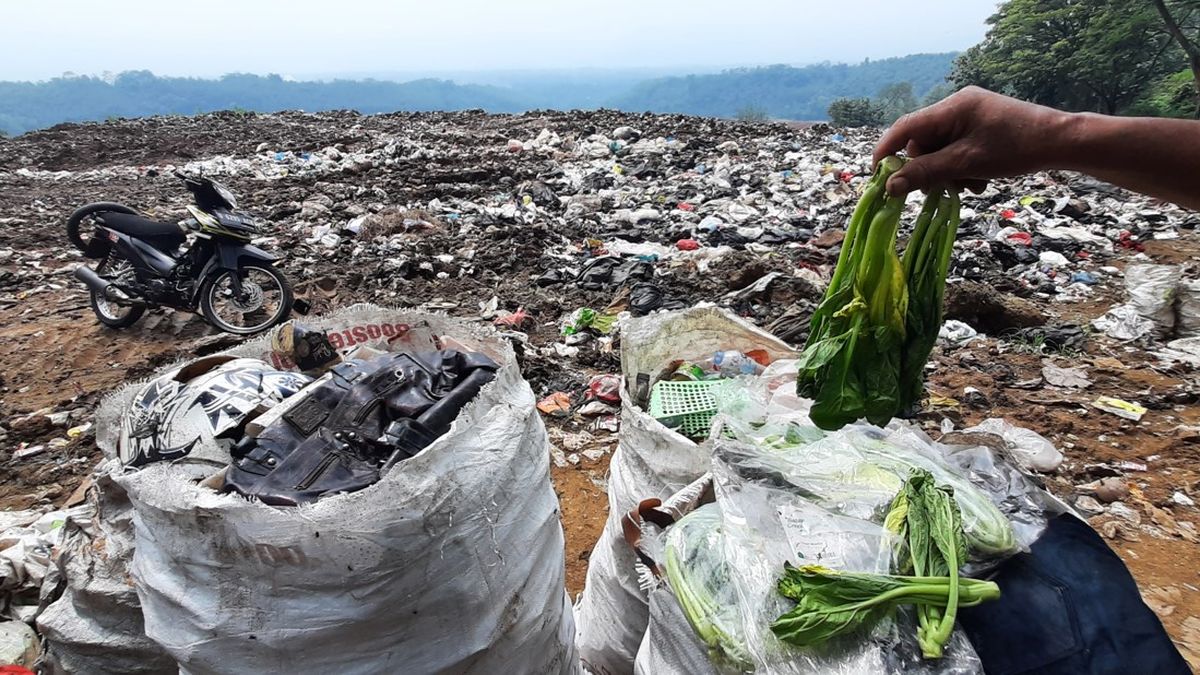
x,y
858,470
1027,446
723,563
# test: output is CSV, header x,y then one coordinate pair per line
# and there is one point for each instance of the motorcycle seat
x,y
164,236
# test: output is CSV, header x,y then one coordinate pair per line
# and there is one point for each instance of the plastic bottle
x,y
731,363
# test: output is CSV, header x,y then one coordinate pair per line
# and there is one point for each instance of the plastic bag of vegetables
x,y
858,470
871,335
832,605
722,564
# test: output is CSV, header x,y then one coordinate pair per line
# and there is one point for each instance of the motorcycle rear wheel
x,y
84,213
108,312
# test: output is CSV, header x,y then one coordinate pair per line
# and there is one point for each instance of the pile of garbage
x,y
554,212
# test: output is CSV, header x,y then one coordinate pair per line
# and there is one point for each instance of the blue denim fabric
x,y
1069,607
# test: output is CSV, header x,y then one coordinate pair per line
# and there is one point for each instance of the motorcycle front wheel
x,y
265,299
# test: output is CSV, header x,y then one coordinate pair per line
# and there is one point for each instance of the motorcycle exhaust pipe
x,y
92,280
102,286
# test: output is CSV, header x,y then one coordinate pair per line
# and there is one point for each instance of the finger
x,y
913,149
929,127
974,185
936,168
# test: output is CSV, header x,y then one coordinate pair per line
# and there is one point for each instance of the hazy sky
x,y
44,38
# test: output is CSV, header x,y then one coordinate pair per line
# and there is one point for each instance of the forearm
x,y
1158,157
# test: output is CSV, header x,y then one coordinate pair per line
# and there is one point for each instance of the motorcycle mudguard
x,y
99,246
229,257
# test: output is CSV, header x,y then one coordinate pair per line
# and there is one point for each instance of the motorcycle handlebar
x,y
185,177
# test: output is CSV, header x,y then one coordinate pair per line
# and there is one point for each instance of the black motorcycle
x,y
145,263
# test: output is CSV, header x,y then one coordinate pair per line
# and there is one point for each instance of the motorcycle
x,y
146,264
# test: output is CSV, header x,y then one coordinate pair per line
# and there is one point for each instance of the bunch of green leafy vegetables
x,y
699,577
855,467
871,335
831,603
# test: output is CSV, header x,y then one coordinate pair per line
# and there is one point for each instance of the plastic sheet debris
x,y
1186,350
607,272
1053,259
1072,378
646,297
1124,322
27,541
1152,291
1120,408
1058,338
19,645
92,621
956,333
1030,449
1188,309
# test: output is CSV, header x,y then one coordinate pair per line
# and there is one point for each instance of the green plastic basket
x,y
687,407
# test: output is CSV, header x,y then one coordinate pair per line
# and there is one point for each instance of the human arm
x,y
975,135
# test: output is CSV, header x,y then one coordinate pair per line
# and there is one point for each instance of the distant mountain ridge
x,y
784,92
25,106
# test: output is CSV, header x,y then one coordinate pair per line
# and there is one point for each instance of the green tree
x,y
1074,54
938,93
855,112
895,100
1178,19
1171,96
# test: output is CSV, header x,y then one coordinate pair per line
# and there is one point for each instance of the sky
x,y
40,39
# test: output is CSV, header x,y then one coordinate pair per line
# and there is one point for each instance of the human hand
x,y
970,137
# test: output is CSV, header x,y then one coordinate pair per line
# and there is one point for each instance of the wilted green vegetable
x,y
926,262
699,578
872,333
927,520
830,603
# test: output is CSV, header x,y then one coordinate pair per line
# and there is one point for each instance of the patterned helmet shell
x,y
199,409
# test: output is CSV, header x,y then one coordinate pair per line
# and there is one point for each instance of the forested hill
x,y
785,92
776,91
25,105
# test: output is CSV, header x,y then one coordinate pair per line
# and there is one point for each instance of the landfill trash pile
x,y
557,228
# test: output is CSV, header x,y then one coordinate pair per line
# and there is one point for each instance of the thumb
x,y
923,172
